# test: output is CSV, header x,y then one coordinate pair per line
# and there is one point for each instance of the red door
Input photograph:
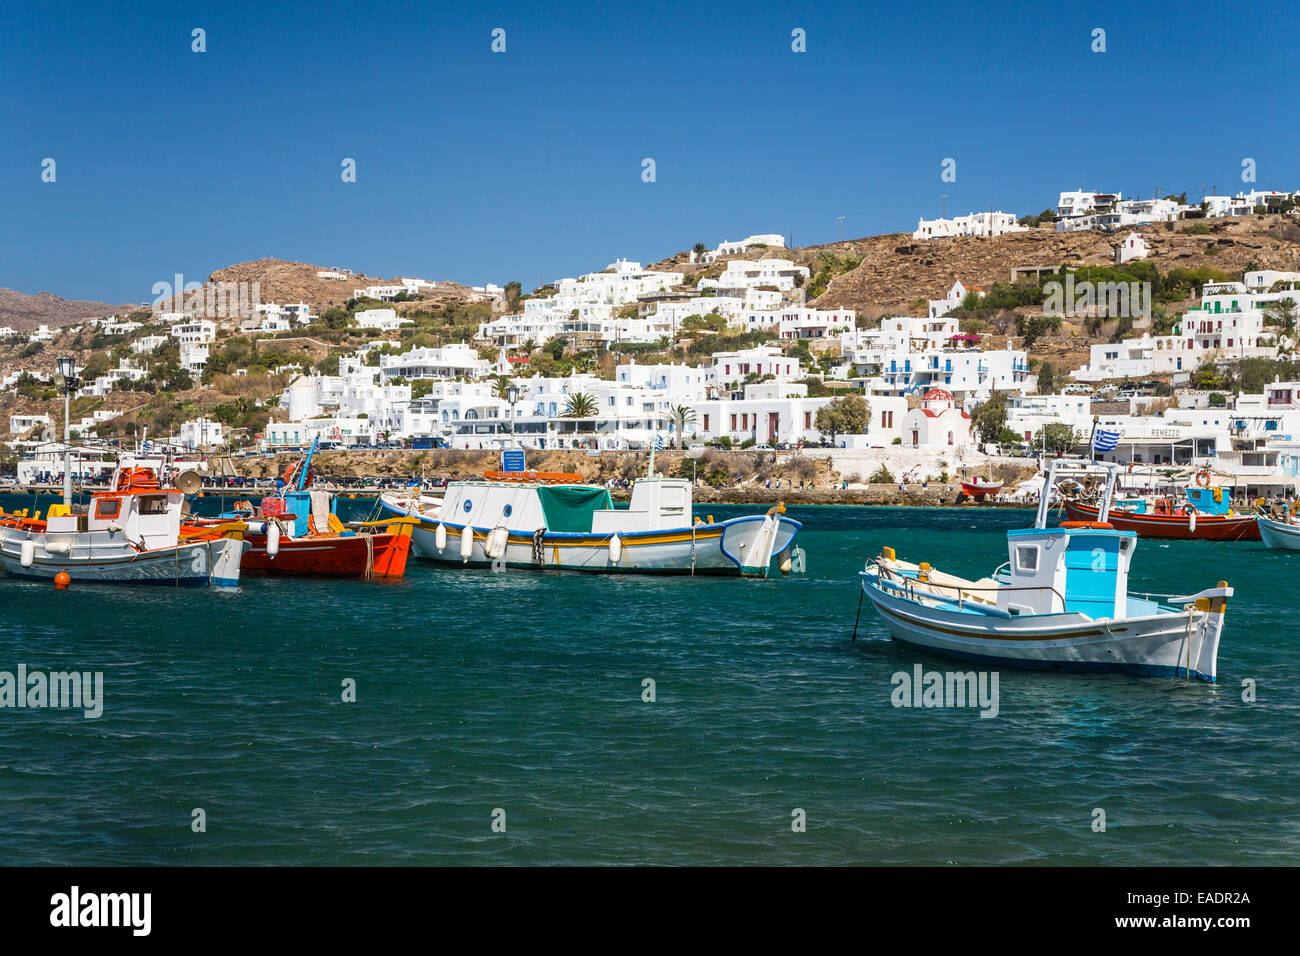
x,y
773,421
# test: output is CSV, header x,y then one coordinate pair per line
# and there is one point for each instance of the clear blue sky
x,y
485,167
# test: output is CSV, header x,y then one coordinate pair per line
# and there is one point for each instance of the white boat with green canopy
x,y
542,520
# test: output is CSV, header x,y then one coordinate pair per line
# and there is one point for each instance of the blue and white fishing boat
x,y
1061,603
539,520
1280,531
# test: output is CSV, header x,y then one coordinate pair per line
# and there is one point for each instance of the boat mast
x,y
300,479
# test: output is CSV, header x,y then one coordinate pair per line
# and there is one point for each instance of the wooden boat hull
x,y
1279,535
1208,527
97,557
380,555
1168,644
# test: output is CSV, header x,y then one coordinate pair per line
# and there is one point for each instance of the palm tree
x,y
681,416
580,405
528,346
499,385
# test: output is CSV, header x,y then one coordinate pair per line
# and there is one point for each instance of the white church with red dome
x,y
938,422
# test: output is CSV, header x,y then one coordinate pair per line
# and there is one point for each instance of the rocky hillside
x,y
282,281
21,311
897,272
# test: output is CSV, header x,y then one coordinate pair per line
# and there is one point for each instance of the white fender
x,y
273,539
27,553
785,564
615,549
1191,522
496,542
440,537
466,543
58,547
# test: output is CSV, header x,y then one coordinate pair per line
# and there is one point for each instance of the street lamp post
x,y
68,371
512,396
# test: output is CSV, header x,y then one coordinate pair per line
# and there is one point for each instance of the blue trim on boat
x,y
1078,667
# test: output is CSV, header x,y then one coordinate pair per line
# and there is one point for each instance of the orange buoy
x,y
62,580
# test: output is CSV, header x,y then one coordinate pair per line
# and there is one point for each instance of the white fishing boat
x,y
1281,531
537,520
130,533
1060,603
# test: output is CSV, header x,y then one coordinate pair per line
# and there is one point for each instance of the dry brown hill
x,y
21,311
282,281
896,270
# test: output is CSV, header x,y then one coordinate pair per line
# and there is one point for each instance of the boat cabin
x,y
1078,567
138,507
1209,501
658,504
524,507
1056,570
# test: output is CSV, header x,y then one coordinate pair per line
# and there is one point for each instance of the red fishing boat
x,y
1205,514
978,487
297,532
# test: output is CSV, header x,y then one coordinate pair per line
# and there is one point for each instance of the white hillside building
x,y
778,412
1081,203
385,320
801,322
759,362
781,274
1133,247
450,361
195,332
725,248
981,224
941,307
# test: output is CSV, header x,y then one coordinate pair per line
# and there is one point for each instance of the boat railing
x,y
911,587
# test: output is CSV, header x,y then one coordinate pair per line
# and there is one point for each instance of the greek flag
x,y
146,446
659,442
1104,440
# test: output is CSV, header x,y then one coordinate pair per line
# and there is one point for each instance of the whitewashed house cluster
x,y
1228,323
742,246
980,224
910,355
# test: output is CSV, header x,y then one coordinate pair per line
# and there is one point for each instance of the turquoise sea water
x,y
523,691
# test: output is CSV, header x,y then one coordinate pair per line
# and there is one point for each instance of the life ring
x,y
136,476
1203,478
